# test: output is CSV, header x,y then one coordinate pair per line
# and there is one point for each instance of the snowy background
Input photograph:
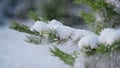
x,y
16,53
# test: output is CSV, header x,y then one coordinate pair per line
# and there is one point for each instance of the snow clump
x,y
38,26
64,31
109,36
89,40
82,37
78,34
53,24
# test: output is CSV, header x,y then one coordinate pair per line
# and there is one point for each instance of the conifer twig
x,y
67,58
23,28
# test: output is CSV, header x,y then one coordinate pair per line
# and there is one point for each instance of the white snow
x,y
80,62
54,22
64,31
79,33
16,53
89,40
109,36
38,26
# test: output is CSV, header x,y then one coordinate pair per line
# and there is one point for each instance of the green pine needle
x,y
101,49
34,39
67,58
23,28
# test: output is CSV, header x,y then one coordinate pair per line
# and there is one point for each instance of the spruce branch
x,y
67,58
23,28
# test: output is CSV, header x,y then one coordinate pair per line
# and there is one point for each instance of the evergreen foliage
x,y
53,35
38,37
34,39
107,12
101,49
67,58
23,28
50,33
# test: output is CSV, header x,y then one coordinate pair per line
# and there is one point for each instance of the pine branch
x,y
34,39
101,49
88,51
67,58
53,35
23,28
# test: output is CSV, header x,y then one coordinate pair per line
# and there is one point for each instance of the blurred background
x,y
65,11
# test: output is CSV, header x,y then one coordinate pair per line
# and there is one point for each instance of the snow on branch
x,y
88,42
23,28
